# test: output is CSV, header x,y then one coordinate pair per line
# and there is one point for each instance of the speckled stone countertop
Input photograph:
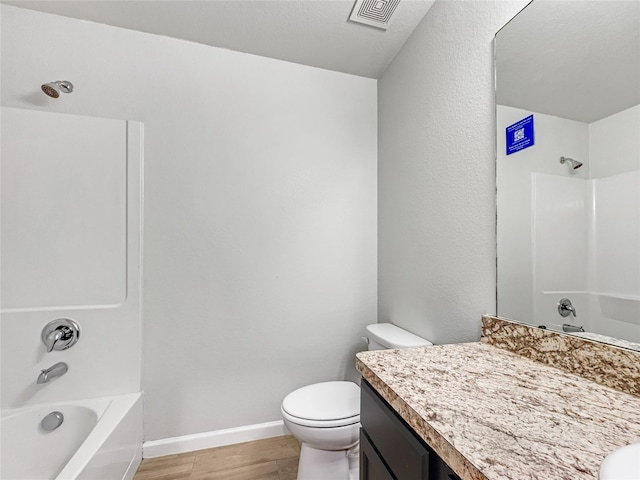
x,y
495,415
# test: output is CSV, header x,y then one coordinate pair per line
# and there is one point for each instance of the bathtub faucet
x,y
52,372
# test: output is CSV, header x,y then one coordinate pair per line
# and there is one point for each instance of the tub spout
x,y
52,372
567,327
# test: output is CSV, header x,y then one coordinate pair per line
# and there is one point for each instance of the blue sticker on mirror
x,y
520,135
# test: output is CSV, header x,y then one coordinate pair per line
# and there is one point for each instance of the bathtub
x,y
99,439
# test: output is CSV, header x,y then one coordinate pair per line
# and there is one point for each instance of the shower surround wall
x,y
581,239
71,236
260,211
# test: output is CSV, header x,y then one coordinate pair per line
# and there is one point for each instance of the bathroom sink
x,y
623,464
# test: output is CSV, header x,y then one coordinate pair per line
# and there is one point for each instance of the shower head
x,y
574,163
53,89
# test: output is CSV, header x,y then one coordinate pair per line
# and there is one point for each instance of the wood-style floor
x,y
270,459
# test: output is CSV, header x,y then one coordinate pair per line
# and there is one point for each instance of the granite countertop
x,y
495,415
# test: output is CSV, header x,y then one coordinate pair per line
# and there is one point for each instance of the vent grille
x,y
375,13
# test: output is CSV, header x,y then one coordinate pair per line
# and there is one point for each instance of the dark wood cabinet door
x,y
372,467
405,455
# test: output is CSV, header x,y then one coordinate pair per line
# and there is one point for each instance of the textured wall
x,y
260,210
436,201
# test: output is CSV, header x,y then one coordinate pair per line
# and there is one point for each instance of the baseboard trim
x,y
216,438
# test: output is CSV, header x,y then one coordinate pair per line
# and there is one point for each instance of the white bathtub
x,y
100,439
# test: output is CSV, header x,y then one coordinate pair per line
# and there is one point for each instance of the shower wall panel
x,y
64,195
617,235
587,234
615,302
560,247
71,217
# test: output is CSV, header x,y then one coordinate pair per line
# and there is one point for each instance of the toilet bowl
x,y
325,417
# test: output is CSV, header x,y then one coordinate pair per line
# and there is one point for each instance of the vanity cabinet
x,y
390,449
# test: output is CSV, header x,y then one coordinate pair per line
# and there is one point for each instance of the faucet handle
x,y
565,308
51,339
60,334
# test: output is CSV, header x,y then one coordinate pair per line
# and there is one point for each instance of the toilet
x,y
325,417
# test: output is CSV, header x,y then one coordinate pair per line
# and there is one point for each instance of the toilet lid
x,y
324,401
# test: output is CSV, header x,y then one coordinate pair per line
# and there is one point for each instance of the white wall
x,y
614,144
436,173
260,210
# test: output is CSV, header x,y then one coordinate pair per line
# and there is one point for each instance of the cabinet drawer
x,y
404,454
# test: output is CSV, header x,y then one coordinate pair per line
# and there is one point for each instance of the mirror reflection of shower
x,y
573,163
563,231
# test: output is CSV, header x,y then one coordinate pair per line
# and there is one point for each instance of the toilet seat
x,y
323,405
305,422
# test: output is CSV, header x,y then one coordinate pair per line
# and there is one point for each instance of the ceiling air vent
x,y
374,12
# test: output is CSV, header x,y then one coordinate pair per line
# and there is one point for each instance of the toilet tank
x,y
382,336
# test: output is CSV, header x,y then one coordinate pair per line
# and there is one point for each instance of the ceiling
x,y
311,32
572,59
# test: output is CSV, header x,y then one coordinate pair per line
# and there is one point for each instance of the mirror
x,y
568,168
